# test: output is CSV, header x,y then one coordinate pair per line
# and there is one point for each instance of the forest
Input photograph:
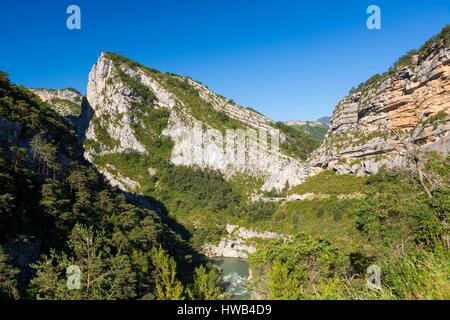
x,y
57,211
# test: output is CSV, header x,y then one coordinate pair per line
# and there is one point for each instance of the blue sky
x,y
288,59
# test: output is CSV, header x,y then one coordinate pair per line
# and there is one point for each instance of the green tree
x,y
168,287
282,284
205,285
46,155
8,282
103,275
55,203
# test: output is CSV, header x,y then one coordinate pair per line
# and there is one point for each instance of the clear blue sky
x,y
288,59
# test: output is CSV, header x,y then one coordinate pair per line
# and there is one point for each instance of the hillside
x,y
387,207
315,129
137,109
56,210
151,174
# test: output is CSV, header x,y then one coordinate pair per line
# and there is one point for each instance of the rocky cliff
x,y
67,102
411,100
132,109
137,108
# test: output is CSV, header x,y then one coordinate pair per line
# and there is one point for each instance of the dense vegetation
x,y
398,228
299,144
317,132
58,214
56,211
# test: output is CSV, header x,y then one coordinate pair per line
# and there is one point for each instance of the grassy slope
x,y
316,132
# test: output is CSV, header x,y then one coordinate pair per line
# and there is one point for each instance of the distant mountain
x,y
324,120
314,129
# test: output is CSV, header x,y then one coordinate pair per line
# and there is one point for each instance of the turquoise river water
x,y
235,274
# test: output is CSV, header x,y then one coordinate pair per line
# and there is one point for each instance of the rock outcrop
x,y
124,95
412,100
9,130
237,244
130,108
66,102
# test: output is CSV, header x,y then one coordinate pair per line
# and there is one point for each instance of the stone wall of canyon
x,y
113,101
411,102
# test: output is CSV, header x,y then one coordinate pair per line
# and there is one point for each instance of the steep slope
x,y
315,129
162,117
66,102
54,206
411,101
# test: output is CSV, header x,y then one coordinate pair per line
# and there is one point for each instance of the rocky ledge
x,y
235,244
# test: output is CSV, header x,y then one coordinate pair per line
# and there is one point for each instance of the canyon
x,y
412,99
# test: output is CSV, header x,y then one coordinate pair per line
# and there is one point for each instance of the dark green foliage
x,y
20,105
223,116
49,196
200,189
182,84
8,282
105,272
396,211
302,269
401,230
206,284
168,287
259,211
316,132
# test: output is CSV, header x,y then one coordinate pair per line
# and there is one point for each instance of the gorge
x,y
117,174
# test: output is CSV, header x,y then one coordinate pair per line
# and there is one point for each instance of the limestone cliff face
x,y
411,100
124,97
304,123
66,102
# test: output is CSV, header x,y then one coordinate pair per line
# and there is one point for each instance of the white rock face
x,y
65,101
229,248
414,100
112,106
112,102
234,245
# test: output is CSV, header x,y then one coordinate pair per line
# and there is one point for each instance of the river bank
x,y
237,243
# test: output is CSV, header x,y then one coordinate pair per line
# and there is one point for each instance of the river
x,y
235,274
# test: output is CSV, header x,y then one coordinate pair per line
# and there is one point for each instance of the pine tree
x,y
103,275
205,285
282,284
167,285
8,282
